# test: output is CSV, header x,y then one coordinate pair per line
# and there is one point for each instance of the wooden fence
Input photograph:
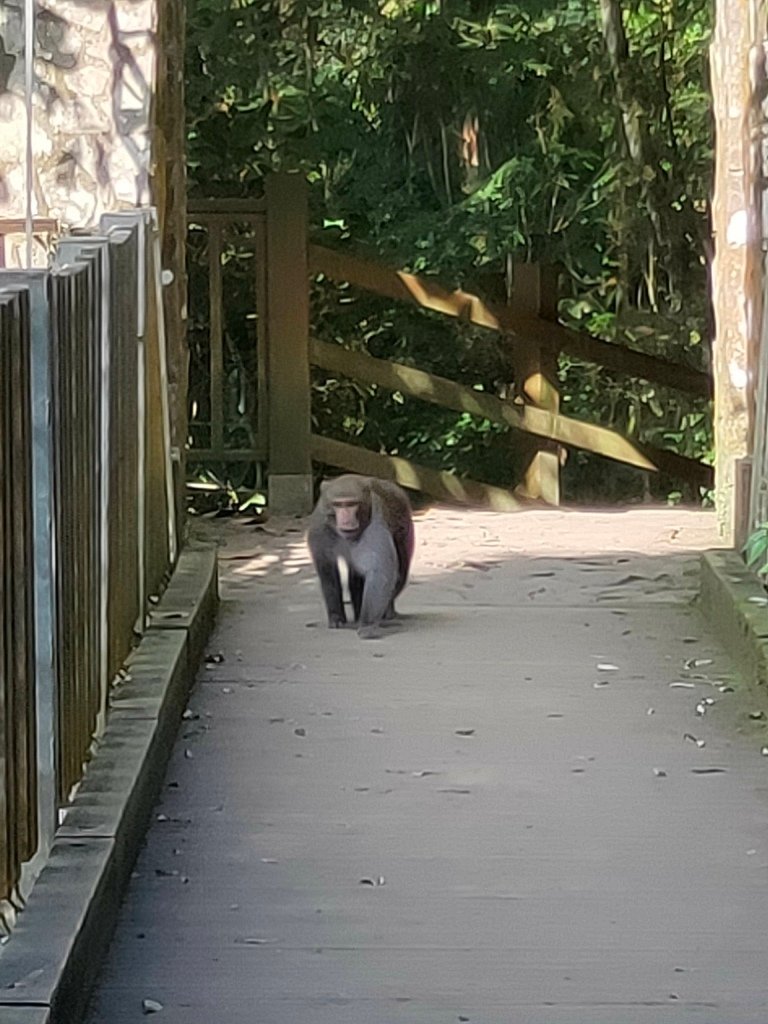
x,y
87,500
283,265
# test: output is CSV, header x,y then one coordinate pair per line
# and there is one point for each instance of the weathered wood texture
x,y
169,191
18,748
527,418
535,364
421,291
288,330
438,484
736,55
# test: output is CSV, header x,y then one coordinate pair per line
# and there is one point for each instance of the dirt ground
x,y
537,801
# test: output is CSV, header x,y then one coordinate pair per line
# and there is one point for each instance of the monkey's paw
x,y
369,633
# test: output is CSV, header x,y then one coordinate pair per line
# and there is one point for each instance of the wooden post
x,y
169,192
535,364
735,57
290,466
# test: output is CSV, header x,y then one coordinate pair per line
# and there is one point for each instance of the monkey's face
x,y
347,520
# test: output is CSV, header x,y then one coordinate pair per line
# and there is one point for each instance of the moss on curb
x,y
734,602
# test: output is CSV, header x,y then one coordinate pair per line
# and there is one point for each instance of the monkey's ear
x,y
324,486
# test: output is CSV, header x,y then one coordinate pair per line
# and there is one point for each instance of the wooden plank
x,y
448,394
288,326
256,454
423,292
262,354
536,380
227,208
540,422
441,485
216,336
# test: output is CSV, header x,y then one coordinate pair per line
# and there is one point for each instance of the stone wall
x,y
94,78
108,134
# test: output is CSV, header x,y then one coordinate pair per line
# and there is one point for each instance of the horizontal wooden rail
x,y
256,454
424,292
229,209
528,418
438,484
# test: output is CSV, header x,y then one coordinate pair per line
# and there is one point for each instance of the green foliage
x,y
453,136
755,551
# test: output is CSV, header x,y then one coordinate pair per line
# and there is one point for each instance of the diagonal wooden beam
x,y
446,393
438,484
426,293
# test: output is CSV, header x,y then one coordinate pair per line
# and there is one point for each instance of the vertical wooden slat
x,y
155,525
215,291
124,609
262,356
23,613
7,872
18,734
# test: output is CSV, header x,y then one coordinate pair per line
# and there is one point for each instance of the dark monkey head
x,y
348,505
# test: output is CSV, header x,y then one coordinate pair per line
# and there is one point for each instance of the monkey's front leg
x,y
356,587
324,556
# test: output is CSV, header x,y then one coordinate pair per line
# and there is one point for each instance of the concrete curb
x,y
49,965
733,600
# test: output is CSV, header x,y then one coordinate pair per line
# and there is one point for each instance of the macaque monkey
x,y
367,523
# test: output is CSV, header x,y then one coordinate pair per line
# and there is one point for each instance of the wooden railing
x,y
285,263
86,509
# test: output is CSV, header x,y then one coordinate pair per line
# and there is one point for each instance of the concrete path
x,y
507,812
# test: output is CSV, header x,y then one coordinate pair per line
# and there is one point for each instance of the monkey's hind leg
x,y
376,560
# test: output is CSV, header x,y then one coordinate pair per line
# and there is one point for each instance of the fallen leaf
x,y
690,663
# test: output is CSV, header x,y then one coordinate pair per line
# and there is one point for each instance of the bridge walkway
x,y
508,811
